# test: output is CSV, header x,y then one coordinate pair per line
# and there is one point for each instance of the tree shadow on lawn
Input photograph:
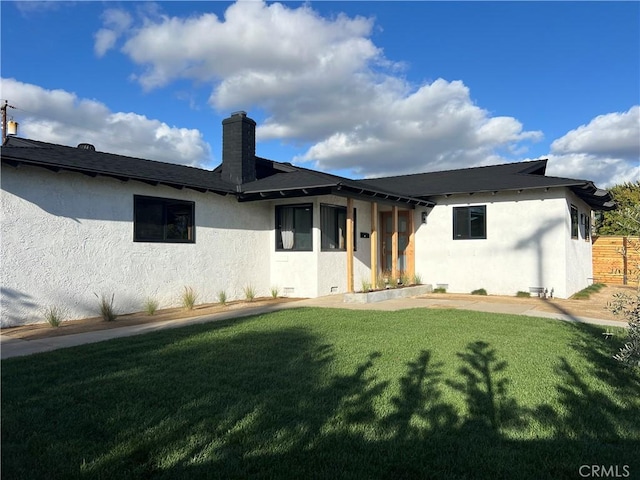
x,y
274,404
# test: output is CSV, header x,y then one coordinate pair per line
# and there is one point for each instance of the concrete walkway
x,y
14,347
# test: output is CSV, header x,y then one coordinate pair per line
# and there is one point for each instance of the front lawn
x,y
318,393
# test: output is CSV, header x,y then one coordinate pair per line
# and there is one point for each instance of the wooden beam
x,y
374,244
394,243
350,245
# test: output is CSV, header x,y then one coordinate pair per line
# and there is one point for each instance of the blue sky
x,y
356,88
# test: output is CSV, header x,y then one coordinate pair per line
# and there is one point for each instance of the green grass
x,y
319,393
586,292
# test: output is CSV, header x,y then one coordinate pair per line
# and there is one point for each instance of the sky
x,y
359,89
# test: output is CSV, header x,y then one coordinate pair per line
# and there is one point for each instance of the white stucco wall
x,y
578,251
528,244
317,273
66,236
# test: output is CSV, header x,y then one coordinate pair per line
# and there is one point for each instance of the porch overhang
x,y
338,189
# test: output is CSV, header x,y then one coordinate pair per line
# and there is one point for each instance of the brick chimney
x,y
238,149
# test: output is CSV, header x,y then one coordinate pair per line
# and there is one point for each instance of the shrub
x,y
189,298
150,306
628,306
480,291
366,286
105,304
249,292
275,292
222,297
417,279
404,279
523,294
55,315
440,290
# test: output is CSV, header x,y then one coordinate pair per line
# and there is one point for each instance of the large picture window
x,y
293,227
470,222
333,225
163,220
574,222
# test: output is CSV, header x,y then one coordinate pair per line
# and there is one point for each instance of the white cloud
x,y
116,22
606,150
322,82
604,171
616,134
61,117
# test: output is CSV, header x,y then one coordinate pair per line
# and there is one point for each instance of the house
x,y
77,223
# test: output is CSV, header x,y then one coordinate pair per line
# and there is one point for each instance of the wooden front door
x,y
404,237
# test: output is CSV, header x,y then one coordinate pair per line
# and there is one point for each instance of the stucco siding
x,y
525,245
316,273
578,250
67,237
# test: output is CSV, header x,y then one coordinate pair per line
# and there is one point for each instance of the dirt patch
x,y
593,307
70,327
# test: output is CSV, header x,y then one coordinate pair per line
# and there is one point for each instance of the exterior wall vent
x,y
86,146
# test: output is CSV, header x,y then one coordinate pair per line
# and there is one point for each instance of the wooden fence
x,y
616,260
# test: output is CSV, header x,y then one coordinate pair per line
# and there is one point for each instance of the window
x,y
333,225
163,220
293,227
574,222
586,224
469,222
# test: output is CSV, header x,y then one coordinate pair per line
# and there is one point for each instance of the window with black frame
x,y
294,225
333,227
470,222
574,222
163,220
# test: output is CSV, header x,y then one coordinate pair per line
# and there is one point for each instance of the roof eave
x,y
16,162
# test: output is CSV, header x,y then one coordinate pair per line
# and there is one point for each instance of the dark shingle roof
x,y
298,181
494,178
89,162
278,180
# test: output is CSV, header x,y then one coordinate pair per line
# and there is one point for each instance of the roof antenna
x,y
12,126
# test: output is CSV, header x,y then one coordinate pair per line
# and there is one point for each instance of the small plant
x,y
523,294
150,306
385,280
275,292
585,293
105,304
55,315
189,298
404,279
440,290
366,286
628,307
417,279
249,292
480,291
222,297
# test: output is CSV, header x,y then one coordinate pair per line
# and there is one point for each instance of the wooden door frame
x,y
409,251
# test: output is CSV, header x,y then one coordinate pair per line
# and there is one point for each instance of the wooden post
x,y
350,245
394,243
410,252
374,244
